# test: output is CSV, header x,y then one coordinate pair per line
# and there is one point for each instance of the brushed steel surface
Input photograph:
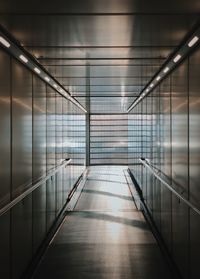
x,y
117,6
21,128
194,160
51,128
5,129
59,153
50,202
5,246
124,39
39,128
39,216
21,236
105,237
165,166
180,165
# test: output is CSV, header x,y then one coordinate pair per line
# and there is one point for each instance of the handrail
x,y
146,163
15,201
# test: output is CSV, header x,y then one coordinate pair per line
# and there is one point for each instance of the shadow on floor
x,y
108,173
106,180
107,194
110,218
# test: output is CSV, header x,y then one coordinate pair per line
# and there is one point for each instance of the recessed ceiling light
x,y
23,58
158,78
166,70
37,70
47,79
151,85
193,41
4,42
177,58
61,90
55,85
147,90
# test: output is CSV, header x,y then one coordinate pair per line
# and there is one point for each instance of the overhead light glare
x,y
151,85
147,90
193,41
37,70
166,70
47,79
55,85
23,58
158,78
177,58
4,42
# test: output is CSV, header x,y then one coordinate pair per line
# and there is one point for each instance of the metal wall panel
x,y
40,140
51,140
5,246
39,216
39,128
39,160
65,149
174,150
180,165
165,163
21,128
21,232
59,154
5,135
194,160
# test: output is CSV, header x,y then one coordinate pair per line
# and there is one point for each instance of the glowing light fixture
x,y
23,58
4,42
37,70
166,70
193,41
158,78
151,85
177,58
55,85
47,79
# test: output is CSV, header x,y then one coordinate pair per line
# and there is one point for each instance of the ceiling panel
x,y
102,51
103,6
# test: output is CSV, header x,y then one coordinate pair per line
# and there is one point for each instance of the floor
x,y
105,236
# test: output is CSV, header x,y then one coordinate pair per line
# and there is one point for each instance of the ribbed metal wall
x,y
38,129
166,124
108,139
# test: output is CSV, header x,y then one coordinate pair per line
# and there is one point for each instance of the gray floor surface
x,y
105,237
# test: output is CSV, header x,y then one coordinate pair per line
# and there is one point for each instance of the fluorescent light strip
x,y
177,58
193,41
4,42
37,70
166,70
23,58
47,79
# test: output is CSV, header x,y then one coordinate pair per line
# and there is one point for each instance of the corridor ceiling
x,y
102,51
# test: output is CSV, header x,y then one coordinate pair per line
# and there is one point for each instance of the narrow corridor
x,y
105,236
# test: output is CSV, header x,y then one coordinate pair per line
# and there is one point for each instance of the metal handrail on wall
x,y
51,173
147,164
